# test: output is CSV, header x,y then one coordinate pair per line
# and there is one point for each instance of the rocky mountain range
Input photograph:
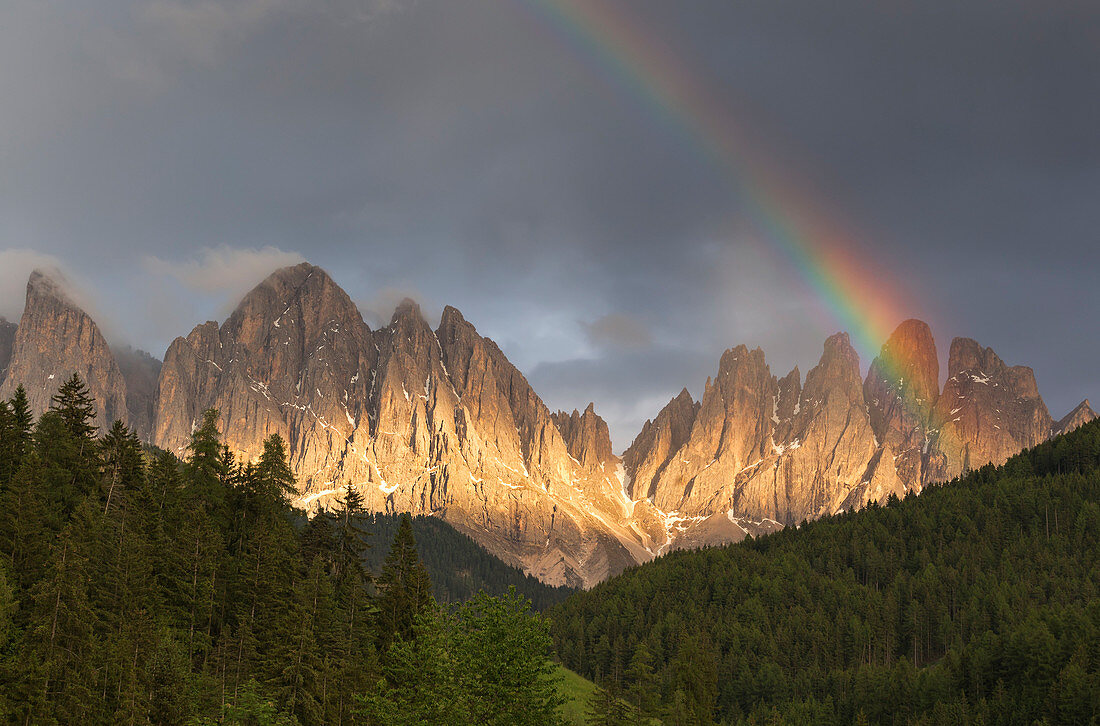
x,y
440,422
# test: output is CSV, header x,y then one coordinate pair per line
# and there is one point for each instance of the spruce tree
x,y
606,707
405,590
353,654
21,411
76,407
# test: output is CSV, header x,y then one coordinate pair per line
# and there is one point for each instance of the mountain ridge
x,y
440,422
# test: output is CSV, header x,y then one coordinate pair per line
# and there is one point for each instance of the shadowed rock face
x,y
440,422
7,341
139,372
55,339
586,437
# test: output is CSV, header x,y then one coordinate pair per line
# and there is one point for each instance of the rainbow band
x,y
637,61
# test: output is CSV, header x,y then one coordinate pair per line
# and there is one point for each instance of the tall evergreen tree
x,y
606,707
404,588
353,657
76,407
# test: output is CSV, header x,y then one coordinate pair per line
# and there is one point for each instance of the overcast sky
x,y
167,155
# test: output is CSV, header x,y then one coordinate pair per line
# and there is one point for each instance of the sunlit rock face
x,y
55,339
1079,416
988,410
761,451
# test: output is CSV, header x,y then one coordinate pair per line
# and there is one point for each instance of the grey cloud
x,y
224,270
16,266
617,330
459,152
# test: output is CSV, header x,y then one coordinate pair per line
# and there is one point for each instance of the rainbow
x,y
617,45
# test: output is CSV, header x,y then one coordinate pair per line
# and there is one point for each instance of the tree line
x,y
459,567
140,588
977,602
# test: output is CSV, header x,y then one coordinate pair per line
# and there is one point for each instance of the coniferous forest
x,y
976,602
138,588
458,566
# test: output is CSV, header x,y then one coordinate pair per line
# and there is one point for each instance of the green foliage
x,y
136,588
977,602
486,663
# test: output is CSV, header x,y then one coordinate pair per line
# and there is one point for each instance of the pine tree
x,y
58,649
123,464
606,707
642,682
76,407
501,653
206,466
353,654
405,590
273,474
21,411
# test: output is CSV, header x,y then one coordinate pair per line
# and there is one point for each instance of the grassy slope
x,y
577,690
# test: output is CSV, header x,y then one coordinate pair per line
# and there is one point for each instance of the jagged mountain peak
x,y
839,345
451,316
56,338
902,384
442,422
407,309
968,354
45,282
910,353
1081,414
586,437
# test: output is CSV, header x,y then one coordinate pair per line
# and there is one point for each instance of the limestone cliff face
x,y
1079,416
55,339
989,411
767,449
659,439
586,438
295,358
7,341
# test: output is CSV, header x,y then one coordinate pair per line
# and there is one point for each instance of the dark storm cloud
x,y
457,151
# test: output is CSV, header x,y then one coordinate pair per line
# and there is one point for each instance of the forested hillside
x,y
977,602
458,566
138,589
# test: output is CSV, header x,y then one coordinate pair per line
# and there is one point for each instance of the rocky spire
x,y
587,437
657,442
56,338
901,390
1079,416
